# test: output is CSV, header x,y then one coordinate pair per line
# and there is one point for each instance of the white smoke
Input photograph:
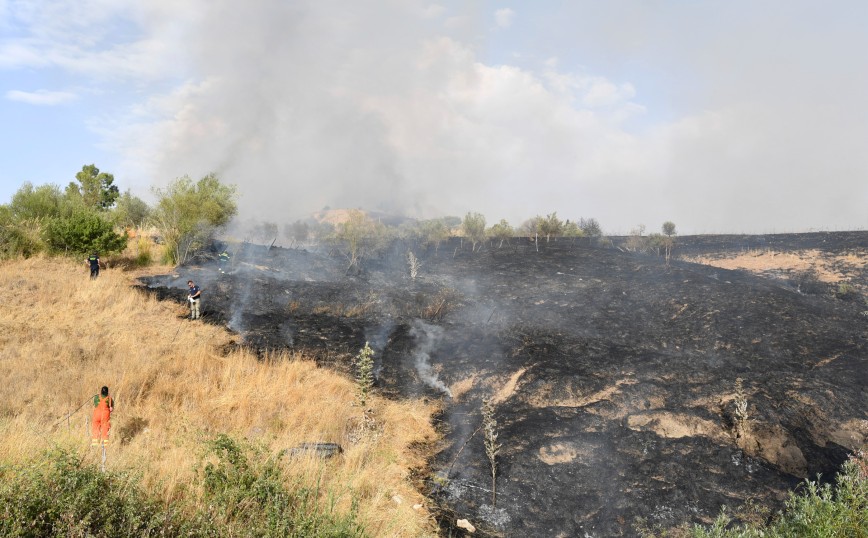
x,y
427,337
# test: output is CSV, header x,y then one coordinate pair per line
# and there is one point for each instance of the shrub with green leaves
x,y
247,494
59,495
189,213
815,510
83,231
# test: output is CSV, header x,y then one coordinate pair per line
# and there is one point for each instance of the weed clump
x,y
492,447
364,373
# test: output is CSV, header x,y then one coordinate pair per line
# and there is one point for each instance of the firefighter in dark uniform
x,y
93,260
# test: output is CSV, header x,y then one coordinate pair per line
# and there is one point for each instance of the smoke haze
x,y
720,117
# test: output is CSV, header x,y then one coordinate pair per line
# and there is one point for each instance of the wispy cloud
x,y
504,17
41,97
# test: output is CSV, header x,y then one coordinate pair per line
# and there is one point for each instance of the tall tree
x,y
37,203
131,211
96,189
473,227
501,231
669,228
551,226
360,235
188,214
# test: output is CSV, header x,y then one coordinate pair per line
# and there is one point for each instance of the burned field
x,y
613,377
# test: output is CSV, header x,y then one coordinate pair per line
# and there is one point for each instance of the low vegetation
x,y
815,509
202,431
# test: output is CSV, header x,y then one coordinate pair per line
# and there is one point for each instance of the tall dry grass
x,y
63,336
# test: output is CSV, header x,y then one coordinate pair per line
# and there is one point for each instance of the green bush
x,y
821,511
846,292
19,237
58,495
249,497
245,494
81,232
188,214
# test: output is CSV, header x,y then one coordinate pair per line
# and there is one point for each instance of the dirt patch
x,y
508,389
557,453
675,425
568,395
773,444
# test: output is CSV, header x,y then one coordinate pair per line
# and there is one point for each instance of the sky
x,y
745,116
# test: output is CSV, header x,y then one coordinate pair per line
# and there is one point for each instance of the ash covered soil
x,y
613,377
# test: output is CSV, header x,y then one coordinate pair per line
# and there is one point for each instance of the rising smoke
x,y
427,338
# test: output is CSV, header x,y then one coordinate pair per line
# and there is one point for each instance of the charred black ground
x,y
613,376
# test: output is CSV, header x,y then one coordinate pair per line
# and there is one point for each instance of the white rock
x,y
464,524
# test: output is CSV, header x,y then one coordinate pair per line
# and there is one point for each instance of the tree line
x,y
92,215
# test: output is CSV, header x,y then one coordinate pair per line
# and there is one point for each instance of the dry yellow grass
x,y
759,261
63,336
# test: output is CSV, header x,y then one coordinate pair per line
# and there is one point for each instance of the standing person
x,y
194,298
103,405
93,260
224,261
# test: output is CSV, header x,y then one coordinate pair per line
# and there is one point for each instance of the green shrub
x,y
818,510
81,232
245,494
58,495
248,496
846,292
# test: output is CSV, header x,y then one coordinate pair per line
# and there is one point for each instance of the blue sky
x,y
741,116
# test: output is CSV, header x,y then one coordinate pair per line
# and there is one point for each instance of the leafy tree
x,y
83,231
636,242
473,227
35,203
96,189
669,228
188,214
532,227
18,237
433,232
551,226
322,231
591,228
502,231
298,231
131,211
451,221
663,244
266,231
360,235
571,229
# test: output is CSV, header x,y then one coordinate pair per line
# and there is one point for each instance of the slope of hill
x,y
617,381
179,385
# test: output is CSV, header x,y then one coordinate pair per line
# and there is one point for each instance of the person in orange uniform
x,y
103,405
